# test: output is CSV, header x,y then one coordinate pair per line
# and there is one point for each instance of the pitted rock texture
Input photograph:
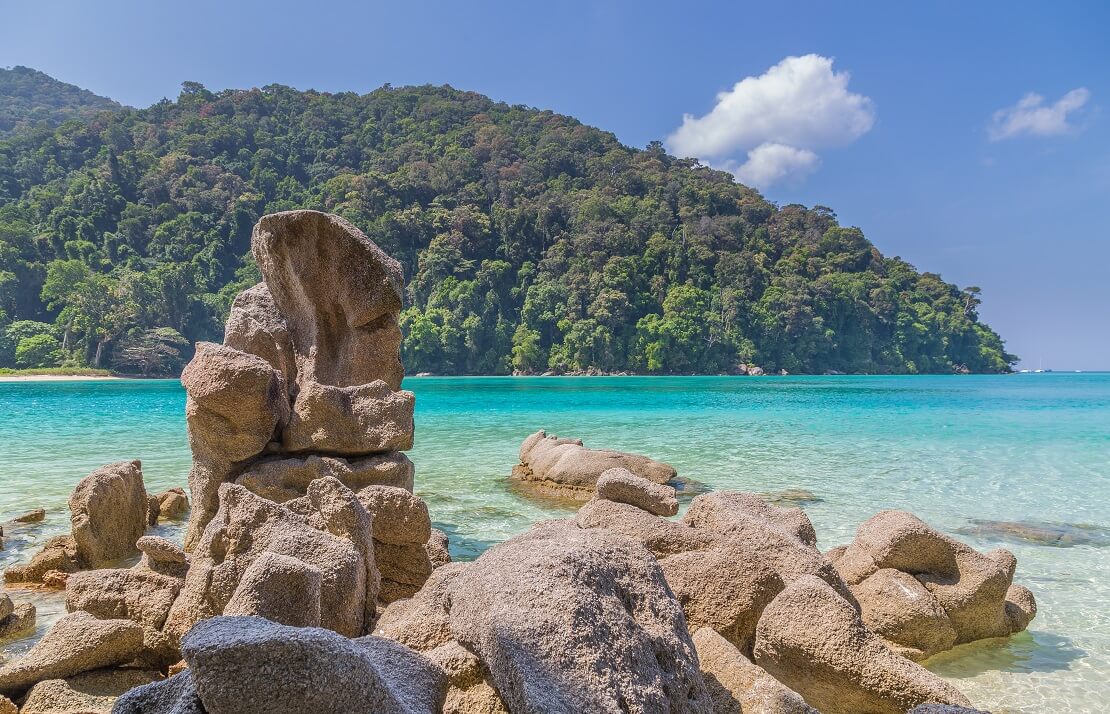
x,y
108,511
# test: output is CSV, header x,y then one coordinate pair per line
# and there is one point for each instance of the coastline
x,y
56,377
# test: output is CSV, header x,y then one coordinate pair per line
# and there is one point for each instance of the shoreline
x,y
56,377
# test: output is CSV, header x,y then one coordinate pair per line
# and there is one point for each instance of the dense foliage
x,y
530,242
30,98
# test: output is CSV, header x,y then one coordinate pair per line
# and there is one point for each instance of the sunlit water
x,y
951,449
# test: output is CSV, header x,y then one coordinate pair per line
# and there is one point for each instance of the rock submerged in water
x,y
563,468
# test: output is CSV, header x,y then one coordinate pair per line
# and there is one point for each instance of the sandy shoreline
x,y
52,377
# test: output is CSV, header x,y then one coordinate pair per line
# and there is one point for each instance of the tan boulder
x,y
812,640
36,516
737,685
7,706
564,468
235,404
899,609
721,511
76,643
339,294
141,596
972,588
623,486
108,510
58,553
469,688
356,420
254,325
400,518
422,622
283,479
163,556
404,569
659,535
173,505
89,693
7,607
281,589
20,621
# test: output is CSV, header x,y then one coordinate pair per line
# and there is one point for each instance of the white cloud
x,y
1030,116
771,163
778,119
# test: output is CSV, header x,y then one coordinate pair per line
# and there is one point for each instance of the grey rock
x,y
176,695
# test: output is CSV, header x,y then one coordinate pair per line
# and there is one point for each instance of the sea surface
x,y
957,451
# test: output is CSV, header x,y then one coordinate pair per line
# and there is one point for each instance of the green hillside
x,y
29,98
530,242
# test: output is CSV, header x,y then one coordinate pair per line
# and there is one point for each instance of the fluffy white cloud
x,y
778,118
771,163
1032,117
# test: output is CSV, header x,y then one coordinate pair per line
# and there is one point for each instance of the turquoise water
x,y
951,449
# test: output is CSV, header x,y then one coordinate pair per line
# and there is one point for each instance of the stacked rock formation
x,y
751,572
307,386
562,468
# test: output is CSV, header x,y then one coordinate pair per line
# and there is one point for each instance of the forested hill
x,y
30,98
530,242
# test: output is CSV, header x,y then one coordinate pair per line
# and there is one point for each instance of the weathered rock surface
x,y
400,518
7,706
231,660
812,640
281,589
255,326
108,510
623,486
19,621
972,591
355,420
90,693
58,553
738,686
163,556
176,695
565,468
283,479
173,505
580,620
76,643
36,516
138,595
339,294
7,607
245,527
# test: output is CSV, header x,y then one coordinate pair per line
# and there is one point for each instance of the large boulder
x,y
737,685
972,591
339,295
812,640
89,693
108,510
176,695
254,325
355,420
572,620
245,527
138,595
76,643
233,661
564,468
234,407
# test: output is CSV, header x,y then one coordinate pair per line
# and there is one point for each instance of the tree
x,y
160,351
38,351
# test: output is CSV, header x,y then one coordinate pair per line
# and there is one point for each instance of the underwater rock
x,y
1057,535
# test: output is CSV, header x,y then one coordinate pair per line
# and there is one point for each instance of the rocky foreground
x,y
311,579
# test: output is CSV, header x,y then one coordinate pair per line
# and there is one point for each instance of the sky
x,y
971,139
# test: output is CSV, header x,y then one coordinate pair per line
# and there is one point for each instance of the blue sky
x,y
912,121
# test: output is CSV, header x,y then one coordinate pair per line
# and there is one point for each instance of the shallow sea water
x,y
954,450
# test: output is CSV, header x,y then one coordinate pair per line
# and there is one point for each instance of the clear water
x,y
951,449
